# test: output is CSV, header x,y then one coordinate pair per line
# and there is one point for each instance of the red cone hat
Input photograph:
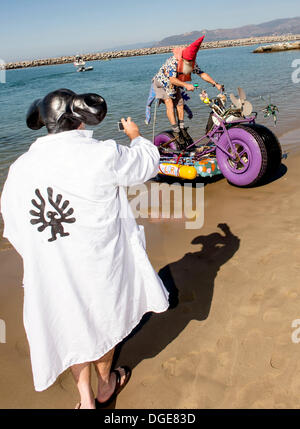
x,y
190,53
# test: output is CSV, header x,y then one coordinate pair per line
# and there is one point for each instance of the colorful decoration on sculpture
x,y
271,111
176,170
189,168
204,97
207,167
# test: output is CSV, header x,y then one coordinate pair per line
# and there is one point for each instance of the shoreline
x,y
290,150
103,56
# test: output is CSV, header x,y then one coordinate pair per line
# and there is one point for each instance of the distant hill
x,y
277,27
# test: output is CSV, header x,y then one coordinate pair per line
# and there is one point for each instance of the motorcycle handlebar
x,y
196,85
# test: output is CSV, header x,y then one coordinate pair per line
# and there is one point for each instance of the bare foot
x,y
106,390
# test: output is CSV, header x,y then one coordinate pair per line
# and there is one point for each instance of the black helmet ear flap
x,y
33,118
89,108
63,110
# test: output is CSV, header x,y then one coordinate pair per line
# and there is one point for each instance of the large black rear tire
x,y
273,150
259,155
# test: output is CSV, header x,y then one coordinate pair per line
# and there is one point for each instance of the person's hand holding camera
x,y
130,128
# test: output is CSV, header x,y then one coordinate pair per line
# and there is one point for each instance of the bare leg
x,y
82,376
106,379
180,112
170,111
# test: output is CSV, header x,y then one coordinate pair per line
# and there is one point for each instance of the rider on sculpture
x,y
171,79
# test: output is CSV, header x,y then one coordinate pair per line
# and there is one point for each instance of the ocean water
x,y
125,83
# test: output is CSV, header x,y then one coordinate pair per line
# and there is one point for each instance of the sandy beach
x,y
227,343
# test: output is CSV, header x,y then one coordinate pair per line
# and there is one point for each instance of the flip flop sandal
x,y
118,387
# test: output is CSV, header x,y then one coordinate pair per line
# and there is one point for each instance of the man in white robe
x,y
87,278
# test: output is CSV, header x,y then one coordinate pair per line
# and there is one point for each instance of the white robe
x,y
86,291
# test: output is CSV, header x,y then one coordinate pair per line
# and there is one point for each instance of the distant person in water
x,y
87,278
173,76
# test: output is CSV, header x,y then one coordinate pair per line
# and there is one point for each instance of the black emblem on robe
x,y
55,218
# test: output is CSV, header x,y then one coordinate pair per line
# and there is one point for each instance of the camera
x,y
120,126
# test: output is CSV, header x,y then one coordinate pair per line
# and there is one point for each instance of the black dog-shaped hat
x,y
63,110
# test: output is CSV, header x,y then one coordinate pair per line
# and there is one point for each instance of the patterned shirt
x,y
169,69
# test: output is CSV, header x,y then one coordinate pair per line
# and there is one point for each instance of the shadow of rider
x,y
190,283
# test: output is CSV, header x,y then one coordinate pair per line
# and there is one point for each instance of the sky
x,y
32,29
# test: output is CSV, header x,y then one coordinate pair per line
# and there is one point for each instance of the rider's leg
x,y
170,111
172,118
180,113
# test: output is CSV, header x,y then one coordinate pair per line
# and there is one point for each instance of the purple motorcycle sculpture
x,y
234,145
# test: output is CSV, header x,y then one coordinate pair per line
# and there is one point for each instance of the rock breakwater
x,y
102,56
278,47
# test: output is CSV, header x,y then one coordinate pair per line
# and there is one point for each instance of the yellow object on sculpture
x,y
175,170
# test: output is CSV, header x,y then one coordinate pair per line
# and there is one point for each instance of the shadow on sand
x,y
278,175
175,180
190,282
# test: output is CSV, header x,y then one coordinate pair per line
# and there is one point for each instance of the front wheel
x,y
259,155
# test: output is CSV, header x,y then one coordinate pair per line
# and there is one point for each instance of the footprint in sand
x,y
226,347
226,343
203,387
171,367
283,355
254,353
278,362
174,367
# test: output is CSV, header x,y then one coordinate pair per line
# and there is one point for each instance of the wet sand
x,y
227,343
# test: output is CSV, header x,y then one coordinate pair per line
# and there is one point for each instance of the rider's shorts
x,y
161,93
